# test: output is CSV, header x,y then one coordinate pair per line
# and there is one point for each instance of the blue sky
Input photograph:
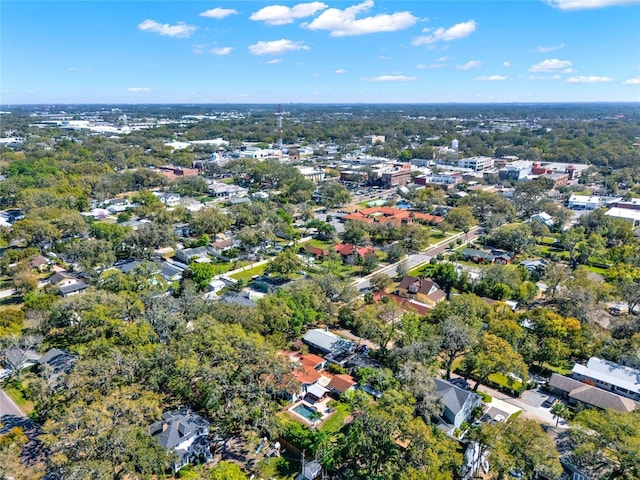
x,y
367,51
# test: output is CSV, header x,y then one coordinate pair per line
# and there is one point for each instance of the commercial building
x,y
590,202
398,177
477,164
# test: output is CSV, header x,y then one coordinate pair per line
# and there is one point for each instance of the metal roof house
x,y
327,342
610,376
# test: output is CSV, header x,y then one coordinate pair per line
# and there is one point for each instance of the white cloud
x,y
391,78
384,57
138,89
507,64
197,49
469,65
460,30
342,23
340,71
219,13
590,79
542,49
276,47
282,15
443,59
586,4
544,77
551,65
632,81
180,30
422,66
275,61
221,50
491,78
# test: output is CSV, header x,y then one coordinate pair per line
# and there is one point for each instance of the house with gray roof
x,y
57,360
610,376
186,433
170,272
198,254
242,299
576,392
457,403
68,284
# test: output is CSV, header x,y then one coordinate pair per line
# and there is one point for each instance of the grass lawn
x,y
486,398
280,468
324,244
548,240
15,390
224,267
336,421
419,269
248,274
503,381
598,270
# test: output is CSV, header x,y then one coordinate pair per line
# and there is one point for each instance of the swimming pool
x,y
306,411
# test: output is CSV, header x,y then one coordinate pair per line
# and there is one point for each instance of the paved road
x,y
530,403
8,407
416,259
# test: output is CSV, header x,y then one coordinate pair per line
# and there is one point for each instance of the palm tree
x,y
559,410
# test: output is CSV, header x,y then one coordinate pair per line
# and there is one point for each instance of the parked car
x,y
548,403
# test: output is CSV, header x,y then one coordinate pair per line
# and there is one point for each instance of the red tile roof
x,y
311,360
390,214
347,249
341,383
319,252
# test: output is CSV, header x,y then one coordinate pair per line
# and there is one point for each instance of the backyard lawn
x,y
281,468
336,421
249,274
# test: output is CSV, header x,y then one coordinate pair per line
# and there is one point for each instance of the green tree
x,y
211,221
370,262
445,275
379,282
201,274
227,471
518,444
491,355
608,442
461,218
285,263
559,410
333,194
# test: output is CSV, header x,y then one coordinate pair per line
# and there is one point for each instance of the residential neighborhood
x,y
311,306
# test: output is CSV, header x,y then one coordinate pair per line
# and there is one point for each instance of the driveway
x,y
531,405
8,406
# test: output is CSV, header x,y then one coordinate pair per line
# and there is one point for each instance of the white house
x,y
170,199
610,376
225,190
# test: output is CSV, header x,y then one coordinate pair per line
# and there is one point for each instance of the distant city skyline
x,y
367,51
